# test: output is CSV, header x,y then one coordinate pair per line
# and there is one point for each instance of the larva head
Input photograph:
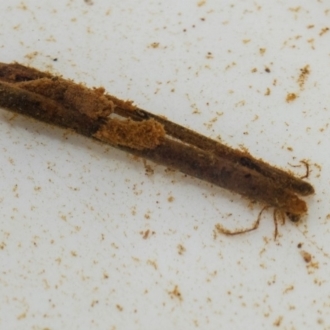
x,y
294,217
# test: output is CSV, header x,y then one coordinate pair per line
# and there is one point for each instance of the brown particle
x,y
306,256
262,51
229,66
133,210
289,288
278,321
120,308
312,266
94,302
175,293
152,263
304,73
209,55
295,9
290,97
170,199
211,122
146,234
21,316
31,56
323,31
268,91
240,103
311,42
181,249
154,45
149,171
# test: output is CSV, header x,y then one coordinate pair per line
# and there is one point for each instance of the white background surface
x,y
74,249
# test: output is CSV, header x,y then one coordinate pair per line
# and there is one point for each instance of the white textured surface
x,y
74,213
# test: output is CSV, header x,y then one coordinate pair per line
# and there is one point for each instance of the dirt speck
x,y
175,293
154,45
21,316
291,97
306,256
149,170
209,55
323,31
201,3
119,307
146,234
304,73
152,263
278,321
288,289
181,249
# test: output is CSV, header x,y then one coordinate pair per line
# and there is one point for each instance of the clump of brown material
x,y
91,102
304,73
137,135
125,104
